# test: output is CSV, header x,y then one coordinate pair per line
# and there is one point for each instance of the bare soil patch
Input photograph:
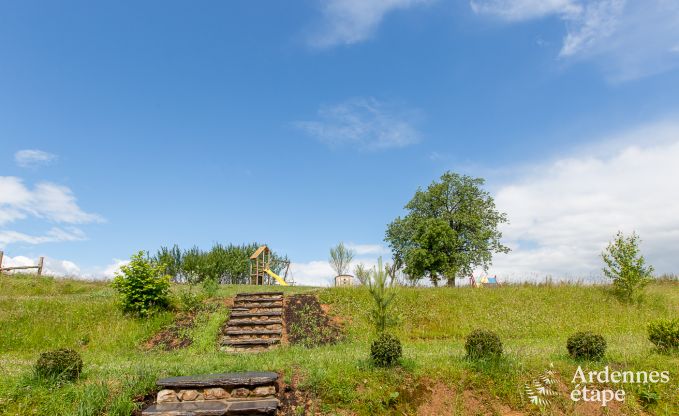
x,y
175,335
144,401
307,322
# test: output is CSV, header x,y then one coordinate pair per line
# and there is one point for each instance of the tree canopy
x,y
451,229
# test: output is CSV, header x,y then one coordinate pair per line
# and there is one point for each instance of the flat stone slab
x,y
214,408
251,378
253,407
208,408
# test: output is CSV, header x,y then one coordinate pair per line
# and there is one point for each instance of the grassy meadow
x,y
37,314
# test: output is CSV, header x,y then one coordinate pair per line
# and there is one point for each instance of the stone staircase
x,y
255,324
228,394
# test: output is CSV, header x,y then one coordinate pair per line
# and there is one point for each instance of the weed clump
x,y
62,364
664,333
586,346
483,344
386,350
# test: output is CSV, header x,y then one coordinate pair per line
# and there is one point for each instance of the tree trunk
x,y
450,281
434,279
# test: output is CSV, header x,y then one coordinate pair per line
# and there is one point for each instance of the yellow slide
x,y
277,277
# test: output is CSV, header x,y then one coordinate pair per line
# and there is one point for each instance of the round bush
x,y
385,350
664,333
483,344
586,345
62,363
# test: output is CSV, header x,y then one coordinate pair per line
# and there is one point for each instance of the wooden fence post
x,y
40,261
2,254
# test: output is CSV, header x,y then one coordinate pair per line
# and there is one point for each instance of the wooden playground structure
x,y
41,260
260,269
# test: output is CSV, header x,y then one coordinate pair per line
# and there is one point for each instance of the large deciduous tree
x,y
451,229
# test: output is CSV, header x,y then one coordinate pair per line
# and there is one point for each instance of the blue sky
x,y
132,125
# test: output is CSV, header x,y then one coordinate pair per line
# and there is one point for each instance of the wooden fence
x,y
41,260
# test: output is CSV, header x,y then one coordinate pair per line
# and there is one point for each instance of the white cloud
x,y
368,249
364,123
53,235
320,273
346,22
66,268
517,10
32,158
563,213
112,269
51,267
46,201
629,38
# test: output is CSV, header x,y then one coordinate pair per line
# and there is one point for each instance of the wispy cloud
x,y
346,22
52,236
629,39
363,123
368,249
517,10
31,158
46,201
563,213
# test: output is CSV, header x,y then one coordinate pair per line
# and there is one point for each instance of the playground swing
x,y
260,269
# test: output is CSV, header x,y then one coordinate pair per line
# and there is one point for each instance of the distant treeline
x,y
222,263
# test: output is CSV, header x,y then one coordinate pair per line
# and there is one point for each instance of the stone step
x,y
247,314
259,299
214,408
246,379
257,309
239,322
252,341
237,332
274,293
249,305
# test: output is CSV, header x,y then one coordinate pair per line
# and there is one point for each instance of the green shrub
x,y
64,364
664,333
586,345
483,344
386,350
142,286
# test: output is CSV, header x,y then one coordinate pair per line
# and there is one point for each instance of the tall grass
x,y
37,314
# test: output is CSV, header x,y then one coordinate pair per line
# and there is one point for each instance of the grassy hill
x,y
37,314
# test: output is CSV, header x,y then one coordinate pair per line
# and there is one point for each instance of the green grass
x,y
37,314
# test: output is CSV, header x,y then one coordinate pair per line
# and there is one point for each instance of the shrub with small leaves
x,y
483,344
586,346
63,364
142,286
386,350
664,333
